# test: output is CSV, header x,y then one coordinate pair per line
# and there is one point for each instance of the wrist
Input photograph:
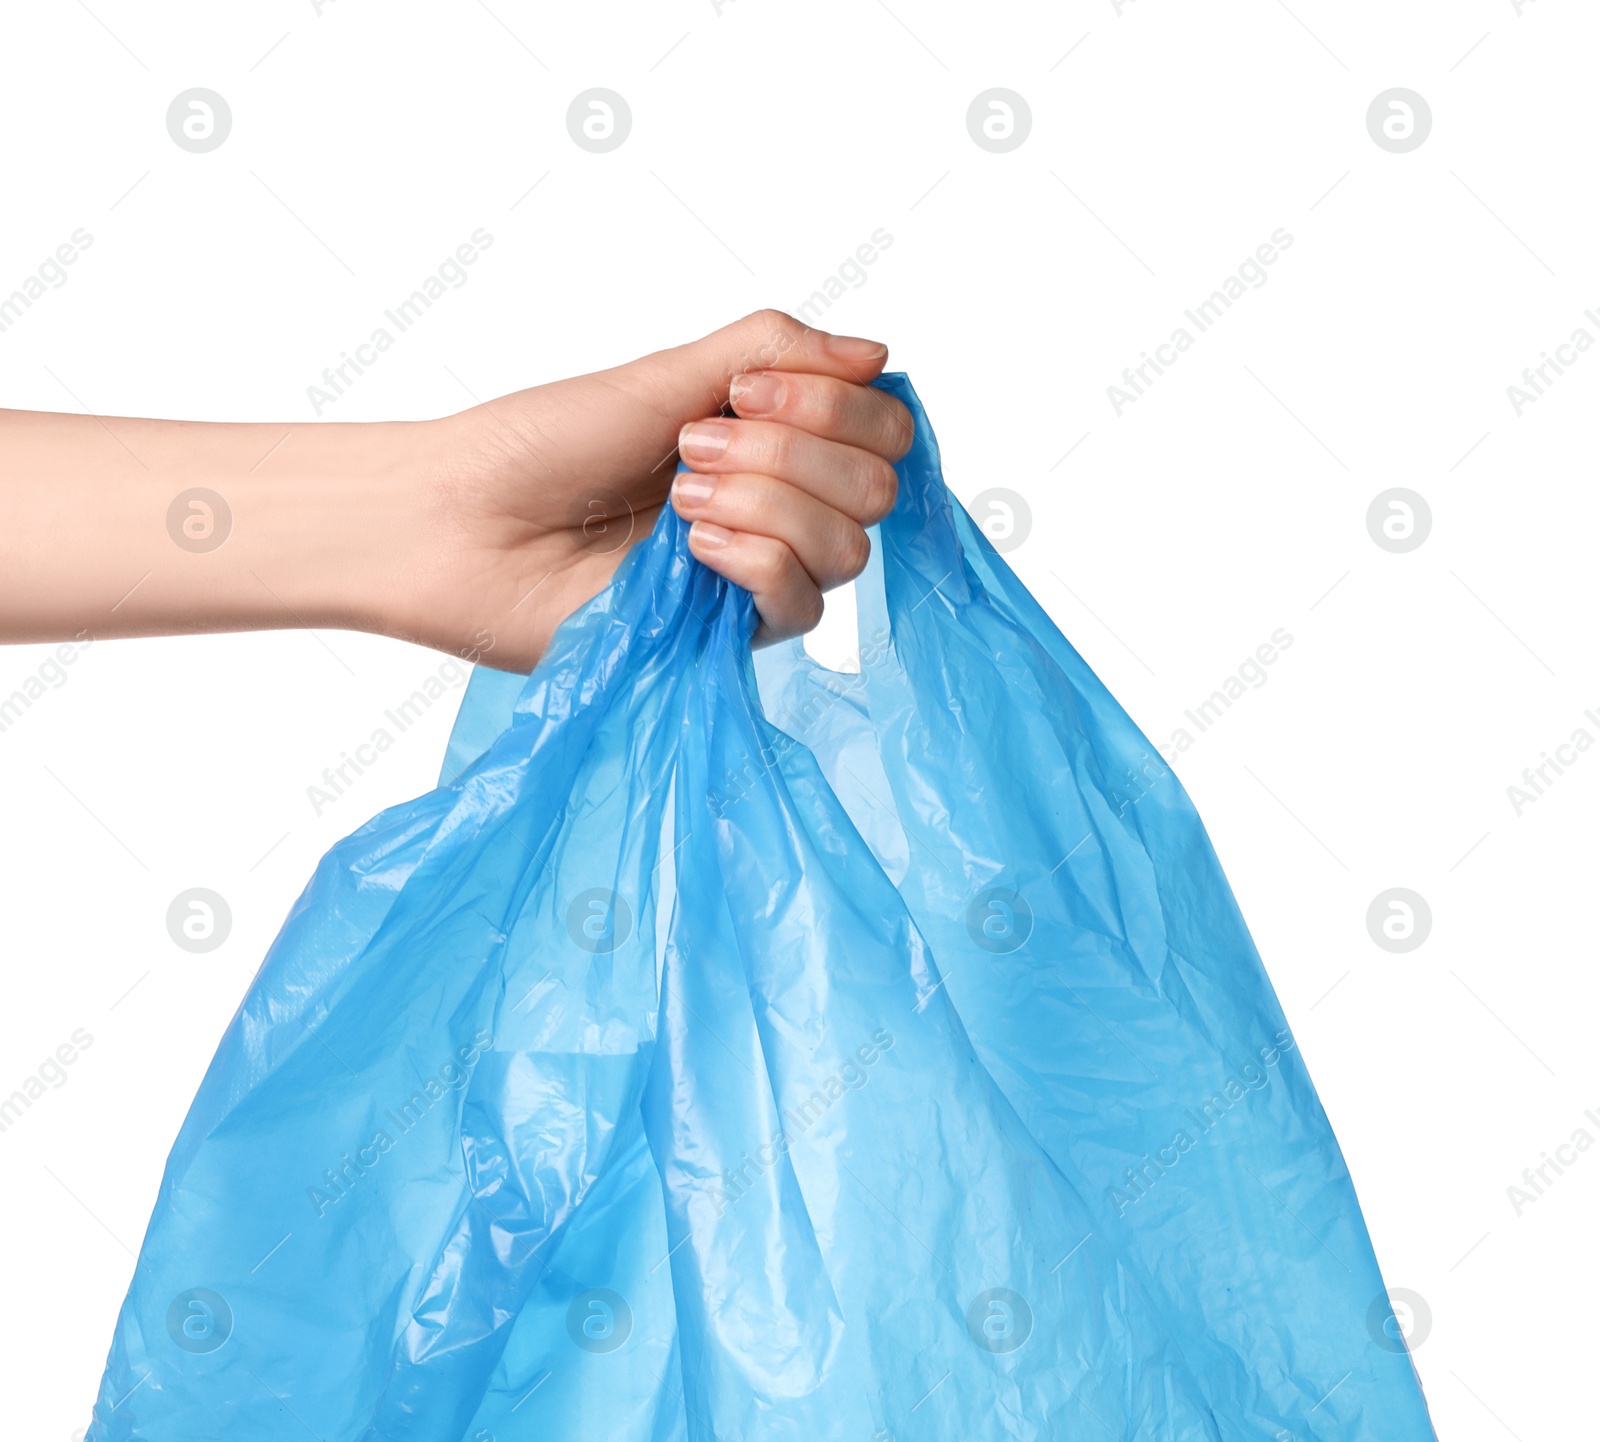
x,y
315,525
345,524
268,527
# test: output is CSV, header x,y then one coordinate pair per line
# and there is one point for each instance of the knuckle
x,y
855,549
894,428
772,448
880,485
769,563
771,335
809,608
831,408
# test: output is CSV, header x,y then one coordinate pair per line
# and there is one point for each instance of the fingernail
x,y
758,394
693,488
703,441
707,533
853,348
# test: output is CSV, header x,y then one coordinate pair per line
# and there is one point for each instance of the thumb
x,y
690,382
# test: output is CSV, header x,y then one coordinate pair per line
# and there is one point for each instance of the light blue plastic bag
x,y
878,1056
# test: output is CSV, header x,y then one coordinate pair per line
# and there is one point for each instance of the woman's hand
x,y
541,493
476,534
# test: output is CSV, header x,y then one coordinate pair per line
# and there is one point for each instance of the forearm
x,y
315,524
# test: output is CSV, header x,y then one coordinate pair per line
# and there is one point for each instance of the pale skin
x,y
476,534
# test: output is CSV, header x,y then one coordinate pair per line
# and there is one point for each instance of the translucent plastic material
x,y
882,1058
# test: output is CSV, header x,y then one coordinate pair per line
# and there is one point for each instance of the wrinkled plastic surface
x,y
882,1058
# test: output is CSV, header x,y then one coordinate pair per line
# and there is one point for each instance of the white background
x,y
768,141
